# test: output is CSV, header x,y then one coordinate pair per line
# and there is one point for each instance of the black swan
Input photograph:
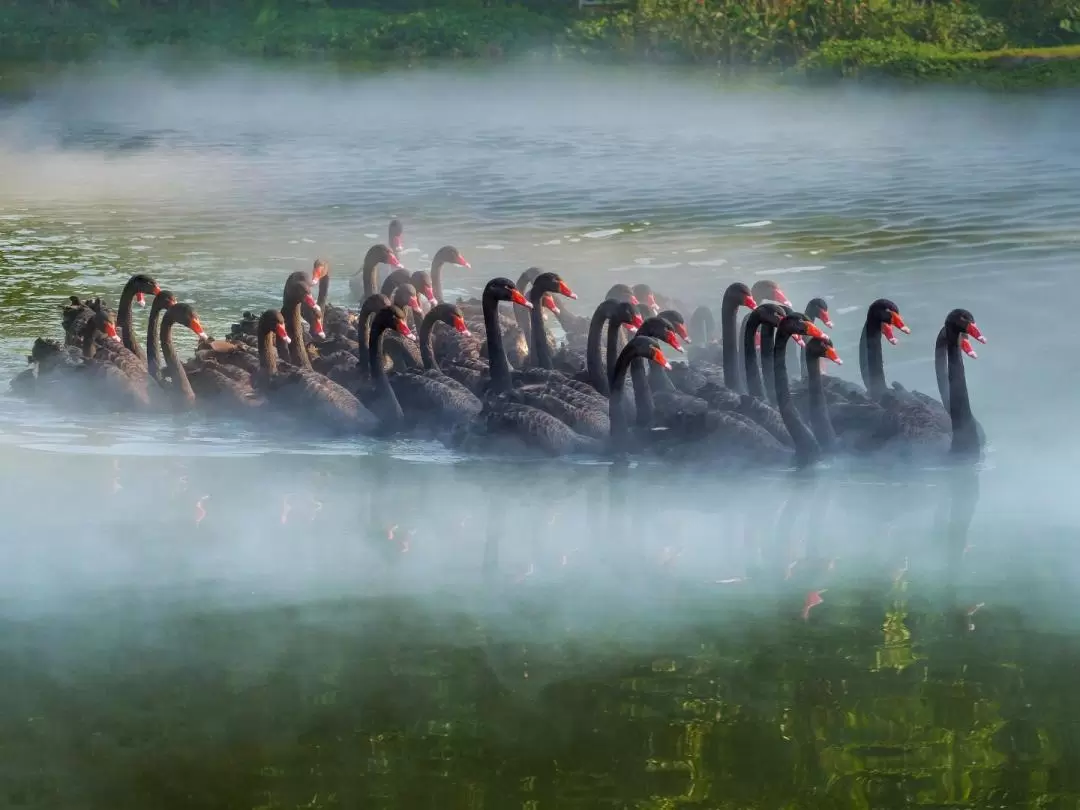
x,y
366,281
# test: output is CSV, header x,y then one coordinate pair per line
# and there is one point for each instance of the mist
x,y
158,547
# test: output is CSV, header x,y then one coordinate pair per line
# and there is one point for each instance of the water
x,y
198,616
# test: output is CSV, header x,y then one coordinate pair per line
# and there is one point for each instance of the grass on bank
x,y
945,40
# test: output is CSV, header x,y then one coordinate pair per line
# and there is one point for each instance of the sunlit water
x,y
195,615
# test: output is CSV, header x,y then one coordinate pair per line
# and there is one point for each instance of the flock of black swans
x,y
485,380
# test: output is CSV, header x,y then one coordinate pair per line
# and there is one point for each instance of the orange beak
x,y
281,333
749,302
830,352
973,330
813,331
898,322
549,303
673,340
638,321
459,324
681,329
519,299
311,303
659,359
565,290
196,327
429,294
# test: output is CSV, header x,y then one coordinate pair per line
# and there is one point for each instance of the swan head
x,y
448,254
396,232
766,290
822,347
645,295
143,285
675,318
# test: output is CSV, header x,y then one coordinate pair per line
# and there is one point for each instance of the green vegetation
x,y
959,40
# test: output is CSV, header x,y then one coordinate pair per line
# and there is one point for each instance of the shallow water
x,y
199,616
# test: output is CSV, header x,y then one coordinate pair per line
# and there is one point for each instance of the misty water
x,y
193,615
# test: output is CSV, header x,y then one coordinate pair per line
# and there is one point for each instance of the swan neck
x,y
806,447
593,361
768,339
427,352
497,362
124,321
539,351
754,385
173,367
729,330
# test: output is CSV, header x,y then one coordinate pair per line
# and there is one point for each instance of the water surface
x,y
195,615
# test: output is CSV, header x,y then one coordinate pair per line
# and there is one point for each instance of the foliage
x,y
910,60
910,38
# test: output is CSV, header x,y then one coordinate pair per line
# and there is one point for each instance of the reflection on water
x,y
195,615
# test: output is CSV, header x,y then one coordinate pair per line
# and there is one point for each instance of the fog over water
x,y
179,596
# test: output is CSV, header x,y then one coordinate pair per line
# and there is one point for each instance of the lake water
x,y
195,616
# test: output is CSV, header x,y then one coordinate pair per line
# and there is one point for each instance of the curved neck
x,y
427,354
268,357
593,361
436,279
941,366
389,408
871,364
173,367
324,291
371,277
806,447
768,337
965,438
643,401
803,364
153,347
124,322
754,385
616,411
498,365
729,329
539,351
819,409
294,324
702,325
614,346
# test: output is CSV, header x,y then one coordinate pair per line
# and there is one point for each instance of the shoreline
x,y
35,44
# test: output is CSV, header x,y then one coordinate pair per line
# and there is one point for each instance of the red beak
x,y
394,261
519,299
813,331
898,322
404,329
633,301
781,298
461,261
830,352
459,324
749,302
429,294
673,340
660,360
973,330
638,320
281,333
965,346
825,320
565,290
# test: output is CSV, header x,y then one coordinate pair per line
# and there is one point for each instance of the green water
x,y
193,615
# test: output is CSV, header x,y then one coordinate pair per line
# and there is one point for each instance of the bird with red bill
x,y
765,290
661,329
